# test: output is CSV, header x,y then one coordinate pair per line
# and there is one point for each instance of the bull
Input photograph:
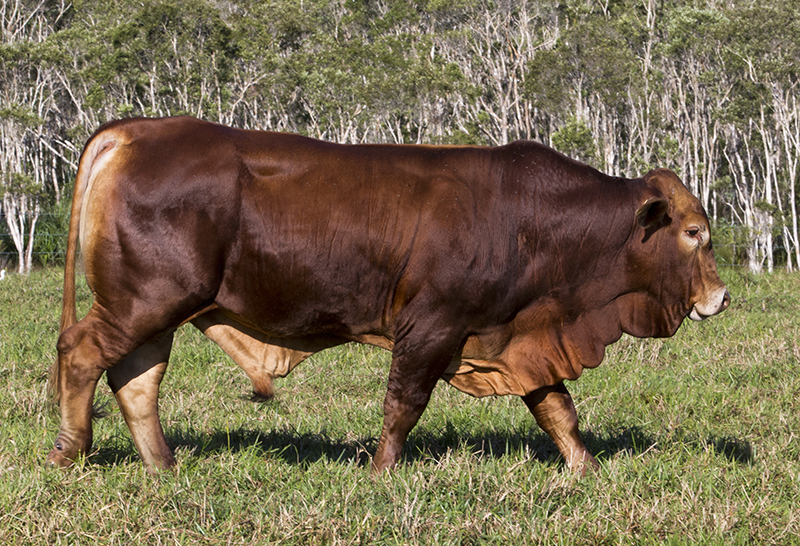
x,y
501,270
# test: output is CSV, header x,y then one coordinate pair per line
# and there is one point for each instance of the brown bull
x,y
500,270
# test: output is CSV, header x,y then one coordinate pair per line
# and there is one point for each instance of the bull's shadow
x,y
304,449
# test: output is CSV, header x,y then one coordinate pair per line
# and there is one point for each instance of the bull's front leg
x,y
417,364
555,414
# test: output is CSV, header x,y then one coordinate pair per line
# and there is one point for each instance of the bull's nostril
x,y
726,300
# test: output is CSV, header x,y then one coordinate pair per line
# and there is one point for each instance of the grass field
x,y
698,438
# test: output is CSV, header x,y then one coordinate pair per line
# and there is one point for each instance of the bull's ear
x,y
652,212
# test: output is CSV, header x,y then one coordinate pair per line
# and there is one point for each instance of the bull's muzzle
x,y
718,301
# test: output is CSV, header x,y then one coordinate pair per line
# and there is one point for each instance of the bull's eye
x,y
696,233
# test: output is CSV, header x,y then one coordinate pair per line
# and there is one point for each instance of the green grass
x,y
698,438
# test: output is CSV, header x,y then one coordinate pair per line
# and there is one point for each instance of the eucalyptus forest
x,y
708,88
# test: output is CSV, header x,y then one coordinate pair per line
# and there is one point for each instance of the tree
x,y
30,153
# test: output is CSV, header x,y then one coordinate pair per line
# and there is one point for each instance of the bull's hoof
x,y
168,465
585,465
261,397
263,389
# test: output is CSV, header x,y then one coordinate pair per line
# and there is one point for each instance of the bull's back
x,y
341,235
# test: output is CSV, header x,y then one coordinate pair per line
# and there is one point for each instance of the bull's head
x,y
680,248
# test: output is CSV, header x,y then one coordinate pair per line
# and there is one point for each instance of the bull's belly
x,y
263,355
311,315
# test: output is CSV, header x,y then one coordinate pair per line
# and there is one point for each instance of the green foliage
x,y
157,54
575,139
21,114
545,83
20,184
50,247
653,83
747,101
692,30
730,244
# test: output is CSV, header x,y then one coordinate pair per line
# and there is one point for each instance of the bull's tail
x,y
98,145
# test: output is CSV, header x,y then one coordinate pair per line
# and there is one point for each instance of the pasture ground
x,y
698,438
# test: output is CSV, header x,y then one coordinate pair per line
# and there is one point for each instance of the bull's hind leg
x,y
135,382
555,414
85,351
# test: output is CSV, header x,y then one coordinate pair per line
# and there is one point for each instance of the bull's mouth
x,y
702,312
696,316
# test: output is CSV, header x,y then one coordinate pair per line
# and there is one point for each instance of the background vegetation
x,y
706,87
697,439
